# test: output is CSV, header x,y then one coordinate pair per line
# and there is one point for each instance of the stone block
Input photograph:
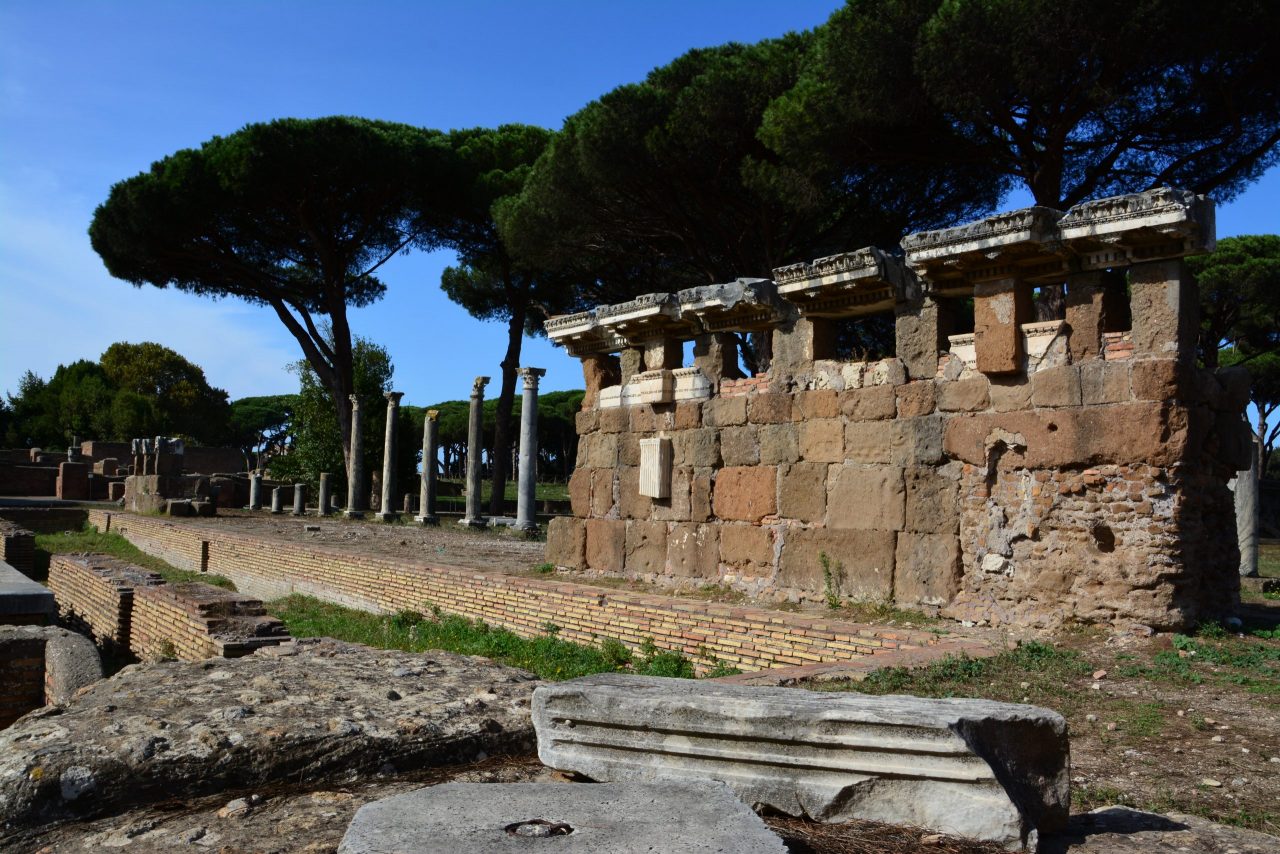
x,y
616,420
999,309
1054,387
586,421
629,449
932,500
631,504
917,341
745,493
822,441
991,771
866,498
696,447
701,817
645,419
688,415
700,494
917,441
869,404
580,492
823,403
769,408
567,542
779,443
1085,315
1104,382
602,496
968,395
724,412
599,371
646,547
606,544
746,546
864,561
802,491
1163,304
1156,379
693,551
1009,394
677,507
915,398
739,446
73,482
926,569
602,452
868,441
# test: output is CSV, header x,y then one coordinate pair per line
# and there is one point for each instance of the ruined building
x,y
1011,459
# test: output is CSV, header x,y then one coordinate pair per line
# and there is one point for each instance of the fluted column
x,y
387,512
526,496
427,495
475,425
357,496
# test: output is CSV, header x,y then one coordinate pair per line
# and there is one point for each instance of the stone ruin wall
x,y
1025,472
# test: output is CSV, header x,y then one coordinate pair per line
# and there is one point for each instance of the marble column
x,y
299,499
475,425
427,494
1245,487
387,512
324,509
255,490
355,469
526,496
277,500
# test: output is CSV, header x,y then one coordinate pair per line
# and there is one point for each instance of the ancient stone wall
x,y
17,546
748,638
28,480
95,596
1028,471
40,665
46,520
21,677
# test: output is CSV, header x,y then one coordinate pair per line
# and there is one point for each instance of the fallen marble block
x,y
605,818
985,770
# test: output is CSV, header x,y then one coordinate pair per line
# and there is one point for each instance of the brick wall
x,y
95,596
22,685
749,638
17,546
46,520
28,480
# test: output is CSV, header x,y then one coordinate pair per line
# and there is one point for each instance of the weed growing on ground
x,y
91,541
545,568
832,578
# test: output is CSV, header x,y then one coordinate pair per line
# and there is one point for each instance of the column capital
x,y
393,397
477,386
531,376
433,414
355,400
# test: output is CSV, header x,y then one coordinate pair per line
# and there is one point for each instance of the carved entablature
x,y
744,305
581,334
866,281
1022,243
644,318
1148,226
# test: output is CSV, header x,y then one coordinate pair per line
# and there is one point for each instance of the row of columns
x,y
356,496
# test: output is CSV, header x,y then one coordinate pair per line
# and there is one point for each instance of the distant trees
x,y
298,215
260,426
133,390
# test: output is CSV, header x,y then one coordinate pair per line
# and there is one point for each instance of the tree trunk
x,y
506,400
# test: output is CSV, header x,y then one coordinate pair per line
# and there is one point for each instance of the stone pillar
x,y
1245,487
663,354
1000,307
1086,315
716,355
357,497
474,426
324,508
526,496
386,510
299,499
599,370
427,494
918,336
1165,308
631,362
277,500
255,490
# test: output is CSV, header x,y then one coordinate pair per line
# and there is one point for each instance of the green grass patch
x,y
547,655
91,541
1213,656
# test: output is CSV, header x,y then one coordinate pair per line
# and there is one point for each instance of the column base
x,y
479,522
527,528
387,517
427,520
298,513
353,514
323,513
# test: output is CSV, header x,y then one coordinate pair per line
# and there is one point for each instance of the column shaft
x,y
387,510
526,519
357,497
474,426
427,494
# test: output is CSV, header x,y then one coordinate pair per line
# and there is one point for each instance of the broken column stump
x,y
985,770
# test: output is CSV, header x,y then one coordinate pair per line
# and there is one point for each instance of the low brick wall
x,y
46,520
28,480
748,638
194,621
17,546
21,678
95,596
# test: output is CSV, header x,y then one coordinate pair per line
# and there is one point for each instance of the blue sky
x,y
93,92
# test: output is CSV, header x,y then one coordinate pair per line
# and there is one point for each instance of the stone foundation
x,y
95,596
41,665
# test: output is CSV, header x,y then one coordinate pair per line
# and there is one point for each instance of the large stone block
x,y
869,404
1009,394
700,494
991,771
779,444
631,504
677,507
926,569
746,547
967,395
724,411
646,546
745,493
696,447
868,441
699,817
602,495
606,544
1157,379
932,500
866,498
629,449
822,403
602,451
1104,382
802,491
822,441
1058,386
739,446
693,551
915,398
1163,304
688,415
616,420
567,542
917,340
917,441
769,408
1085,315
580,492
863,561
999,309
